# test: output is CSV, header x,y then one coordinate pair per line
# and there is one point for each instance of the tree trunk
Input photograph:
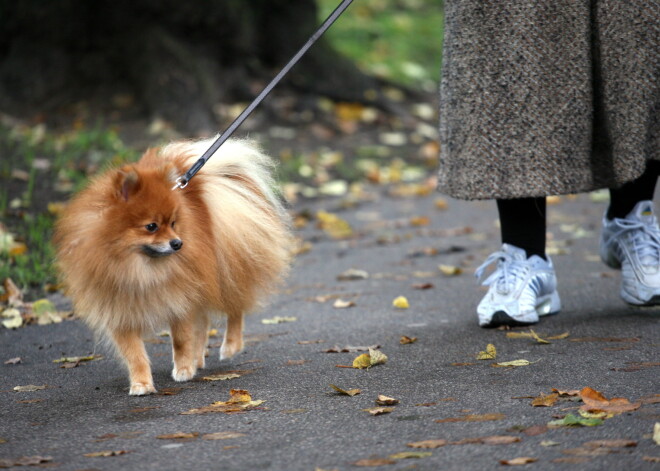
x,y
176,59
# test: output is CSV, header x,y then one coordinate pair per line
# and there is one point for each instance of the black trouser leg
x,y
522,223
624,199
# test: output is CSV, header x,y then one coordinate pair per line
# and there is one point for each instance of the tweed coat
x,y
542,97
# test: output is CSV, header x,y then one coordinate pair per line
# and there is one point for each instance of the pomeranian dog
x,y
136,255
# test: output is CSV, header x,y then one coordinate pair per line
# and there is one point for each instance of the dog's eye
x,y
173,222
153,227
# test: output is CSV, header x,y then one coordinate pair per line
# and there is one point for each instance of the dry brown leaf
x,y
383,400
566,393
380,410
614,443
434,443
239,401
651,459
404,455
545,400
25,461
353,274
423,286
405,340
350,349
594,401
13,361
221,377
345,392
518,461
499,440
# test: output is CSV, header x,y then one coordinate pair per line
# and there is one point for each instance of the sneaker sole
x,y
628,298
550,305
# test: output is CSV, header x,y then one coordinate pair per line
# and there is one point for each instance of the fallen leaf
x,y
78,359
12,318
594,401
373,462
547,443
614,443
46,312
656,433
29,388
405,340
651,459
367,360
401,302
567,393
278,320
383,400
105,453
489,354
380,410
309,342
499,440
435,443
239,401
572,421
353,274
25,461
419,221
423,286
13,361
605,339
14,296
411,454
341,304
512,363
450,270
333,225
518,461
473,418
545,400
559,336
349,392
221,377
222,435
535,430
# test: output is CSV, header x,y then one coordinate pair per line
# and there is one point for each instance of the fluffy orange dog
x,y
135,255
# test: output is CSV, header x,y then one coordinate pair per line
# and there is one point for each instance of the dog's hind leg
x,y
183,348
131,347
233,340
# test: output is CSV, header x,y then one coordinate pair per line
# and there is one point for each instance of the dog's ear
x,y
127,182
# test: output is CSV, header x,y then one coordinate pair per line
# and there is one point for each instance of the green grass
x,y
39,168
399,40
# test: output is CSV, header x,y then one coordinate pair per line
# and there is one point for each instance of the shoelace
x,y
645,239
507,273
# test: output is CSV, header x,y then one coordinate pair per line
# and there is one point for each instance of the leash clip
x,y
181,183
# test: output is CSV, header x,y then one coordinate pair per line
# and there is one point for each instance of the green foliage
x,y
399,40
39,169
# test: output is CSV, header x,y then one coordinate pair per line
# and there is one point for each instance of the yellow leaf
x,y
341,304
656,433
489,354
518,461
105,454
12,318
377,357
362,361
333,225
178,436
29,388
450,270
420,221
401,302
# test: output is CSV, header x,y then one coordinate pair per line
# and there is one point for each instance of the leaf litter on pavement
x,y
240,400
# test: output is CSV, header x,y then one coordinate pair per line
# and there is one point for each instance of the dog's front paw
x,y
184,373
141,389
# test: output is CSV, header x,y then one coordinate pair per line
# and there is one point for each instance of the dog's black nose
x,y
176,244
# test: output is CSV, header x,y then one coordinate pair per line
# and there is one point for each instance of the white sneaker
x,y
633,244
521,289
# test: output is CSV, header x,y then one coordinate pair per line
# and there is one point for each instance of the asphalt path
x,y
443,391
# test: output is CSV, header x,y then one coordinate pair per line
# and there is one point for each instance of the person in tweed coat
x,y
546,97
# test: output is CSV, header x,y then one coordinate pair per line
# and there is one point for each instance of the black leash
x,y
183,180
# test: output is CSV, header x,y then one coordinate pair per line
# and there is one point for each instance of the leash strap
x,y
183,180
